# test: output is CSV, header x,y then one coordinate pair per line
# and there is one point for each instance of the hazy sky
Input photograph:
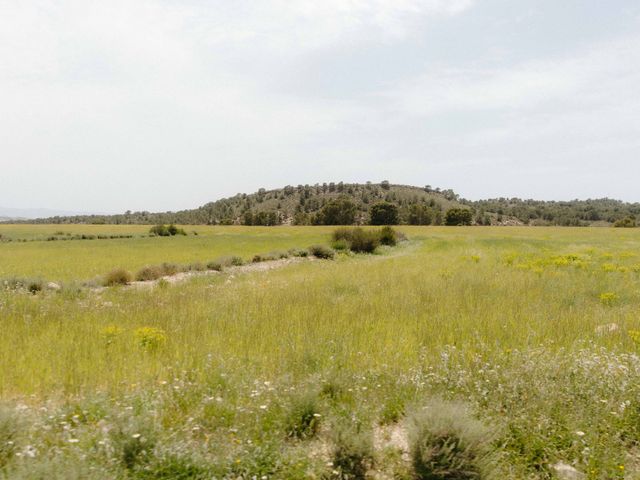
x,y
157,105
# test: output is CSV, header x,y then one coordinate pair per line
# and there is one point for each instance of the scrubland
x,y
460,353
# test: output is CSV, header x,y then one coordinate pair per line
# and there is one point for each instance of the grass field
x,y
84,259
323,369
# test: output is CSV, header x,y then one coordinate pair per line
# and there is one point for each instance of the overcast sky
x,y
168,104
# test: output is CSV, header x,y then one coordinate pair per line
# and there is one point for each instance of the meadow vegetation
x,y
460,353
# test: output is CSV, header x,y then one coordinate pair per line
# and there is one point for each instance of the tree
x,y
420,215
385,185
458,216
384,213
340,211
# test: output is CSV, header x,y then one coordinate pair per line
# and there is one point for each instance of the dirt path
x,y
230,271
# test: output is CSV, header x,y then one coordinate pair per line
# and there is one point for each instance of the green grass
x,y
506,320
85,259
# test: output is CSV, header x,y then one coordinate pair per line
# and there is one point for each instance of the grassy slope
x,y
502,318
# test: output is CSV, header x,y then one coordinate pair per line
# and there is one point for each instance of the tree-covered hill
x,y
299,205
340,203
602,211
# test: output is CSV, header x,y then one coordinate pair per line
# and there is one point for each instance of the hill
x,y
308,205
299,205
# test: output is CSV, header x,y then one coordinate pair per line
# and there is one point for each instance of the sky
x,y
168,104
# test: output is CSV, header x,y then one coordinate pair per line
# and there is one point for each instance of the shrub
x,y
303,418
169,269
446,442
149,273
117,277
384,213
298,252
35,286
160,230
173,230
342,233
388,236
458,216
320,251
214,265
364,241
166,231
352,452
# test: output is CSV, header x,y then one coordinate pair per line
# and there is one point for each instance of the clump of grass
x,y
447,442
9,430
118,276
303,418
352,451
321,251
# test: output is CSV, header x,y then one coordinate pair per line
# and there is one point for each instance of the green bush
x,y
166,231
321,251
364,241
447,442
118,276
359,240
160,230
388,237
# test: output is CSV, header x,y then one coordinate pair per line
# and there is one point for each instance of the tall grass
x,y
507,320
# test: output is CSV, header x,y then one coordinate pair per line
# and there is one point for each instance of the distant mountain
x,y
308,204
